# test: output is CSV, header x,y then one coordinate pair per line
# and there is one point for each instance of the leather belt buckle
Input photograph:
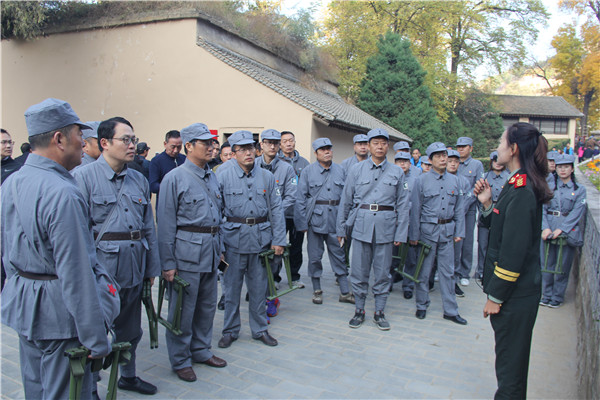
x,y
556,213
214,230
136,235
374,207
250,221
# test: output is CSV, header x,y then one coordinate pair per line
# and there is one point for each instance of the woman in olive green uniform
x,y
512,276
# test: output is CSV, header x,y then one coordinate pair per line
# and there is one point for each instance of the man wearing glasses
x,y
124,232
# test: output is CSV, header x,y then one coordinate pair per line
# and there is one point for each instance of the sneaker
x,y
273,307
358,319
554,304
458,291
464,282
380,321
347,298
544,302
317,297
299,284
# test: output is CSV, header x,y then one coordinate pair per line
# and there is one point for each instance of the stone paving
x,y
319,356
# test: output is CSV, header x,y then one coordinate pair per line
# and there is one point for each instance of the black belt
x,y
248,221
328,202
557,213
200,229
444,221
376,207
133,235
36,277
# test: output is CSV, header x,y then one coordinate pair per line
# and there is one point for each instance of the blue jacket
x,y
160,165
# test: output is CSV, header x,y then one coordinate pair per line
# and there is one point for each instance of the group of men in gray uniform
x,y
62,231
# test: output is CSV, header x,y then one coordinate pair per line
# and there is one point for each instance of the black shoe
x,y
420,314
267,339
458,291
431,286
226,341
247,296
456,319
136,385
221,305
381,322
358,319
408,294
397,277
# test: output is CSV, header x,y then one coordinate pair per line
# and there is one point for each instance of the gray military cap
x,y
453,153
401,146
435,147
93,132
494,155
565,159
270,134
377,132
195,131
402,155
425,160
49,115
464,141
552,155
360,138
321,142
241,138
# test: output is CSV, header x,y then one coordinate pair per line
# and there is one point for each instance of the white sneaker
x,y
299,284
464,282
436,278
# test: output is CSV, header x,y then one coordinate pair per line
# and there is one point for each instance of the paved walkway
x,y
319,356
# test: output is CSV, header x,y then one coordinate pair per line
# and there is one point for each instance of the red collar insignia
x,y
518,180
112,289
496,211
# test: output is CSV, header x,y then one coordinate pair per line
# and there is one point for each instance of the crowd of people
x,y
80,237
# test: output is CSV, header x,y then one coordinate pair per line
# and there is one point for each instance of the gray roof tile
x,y
327,106
535,106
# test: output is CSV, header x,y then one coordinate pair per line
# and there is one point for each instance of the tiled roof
x,y
536,106
327,106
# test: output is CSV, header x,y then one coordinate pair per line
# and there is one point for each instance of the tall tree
x,y
449,38
577,66
394,91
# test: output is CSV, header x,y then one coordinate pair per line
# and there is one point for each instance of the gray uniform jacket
x,y
184,201
566,200
496,182
348,162
384,185
437,197
472,170
285,180
297,162
244,196
318,183
129,261
57,220
466,193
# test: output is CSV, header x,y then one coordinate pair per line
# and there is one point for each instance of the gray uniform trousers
x,y
43,364
554,286
445,263
247,265
128,325
483,236
408,285
379,257
336,254
197,315
464,248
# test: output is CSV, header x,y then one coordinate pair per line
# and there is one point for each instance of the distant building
x,y
553,115
169,70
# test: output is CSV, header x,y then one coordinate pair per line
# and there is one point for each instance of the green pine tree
x,y
394,91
